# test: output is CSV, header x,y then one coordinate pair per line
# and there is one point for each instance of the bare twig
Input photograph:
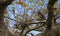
x,y
31,34
57,17
10,18
34,29
24,26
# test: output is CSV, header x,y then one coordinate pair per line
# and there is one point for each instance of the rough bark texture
x,y
49,31
55,31
50,13
3,27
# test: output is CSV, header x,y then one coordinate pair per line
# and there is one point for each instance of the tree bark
x,y
3,6
50,13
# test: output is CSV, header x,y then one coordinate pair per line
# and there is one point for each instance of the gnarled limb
x,y
3,5
50,13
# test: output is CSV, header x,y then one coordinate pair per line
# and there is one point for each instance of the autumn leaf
x,y
22,4
19,2
40,3
36,17
30,8
31,1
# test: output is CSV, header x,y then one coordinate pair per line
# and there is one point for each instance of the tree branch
x,y
50,13
34,29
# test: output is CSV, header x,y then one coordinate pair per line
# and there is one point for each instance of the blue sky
x,y
17,7
58,1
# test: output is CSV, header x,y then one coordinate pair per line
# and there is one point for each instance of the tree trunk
x,y
50,13
3,6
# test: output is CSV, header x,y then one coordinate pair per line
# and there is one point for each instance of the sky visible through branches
x,y
19,8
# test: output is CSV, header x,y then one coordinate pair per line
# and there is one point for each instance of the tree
x,y
24,23
3,5
50,14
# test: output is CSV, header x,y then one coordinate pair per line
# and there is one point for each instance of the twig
x,y
23,29
57,17
33,29
10,18
31,34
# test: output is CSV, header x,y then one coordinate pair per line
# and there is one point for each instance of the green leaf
x,y
36,17
40,3
31,1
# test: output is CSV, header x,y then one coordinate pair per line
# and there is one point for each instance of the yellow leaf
x,y
29,8
22,4
31,1
36,17
40,3
19,3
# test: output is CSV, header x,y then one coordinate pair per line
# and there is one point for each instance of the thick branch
x,y
3,6
50,13
34,29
